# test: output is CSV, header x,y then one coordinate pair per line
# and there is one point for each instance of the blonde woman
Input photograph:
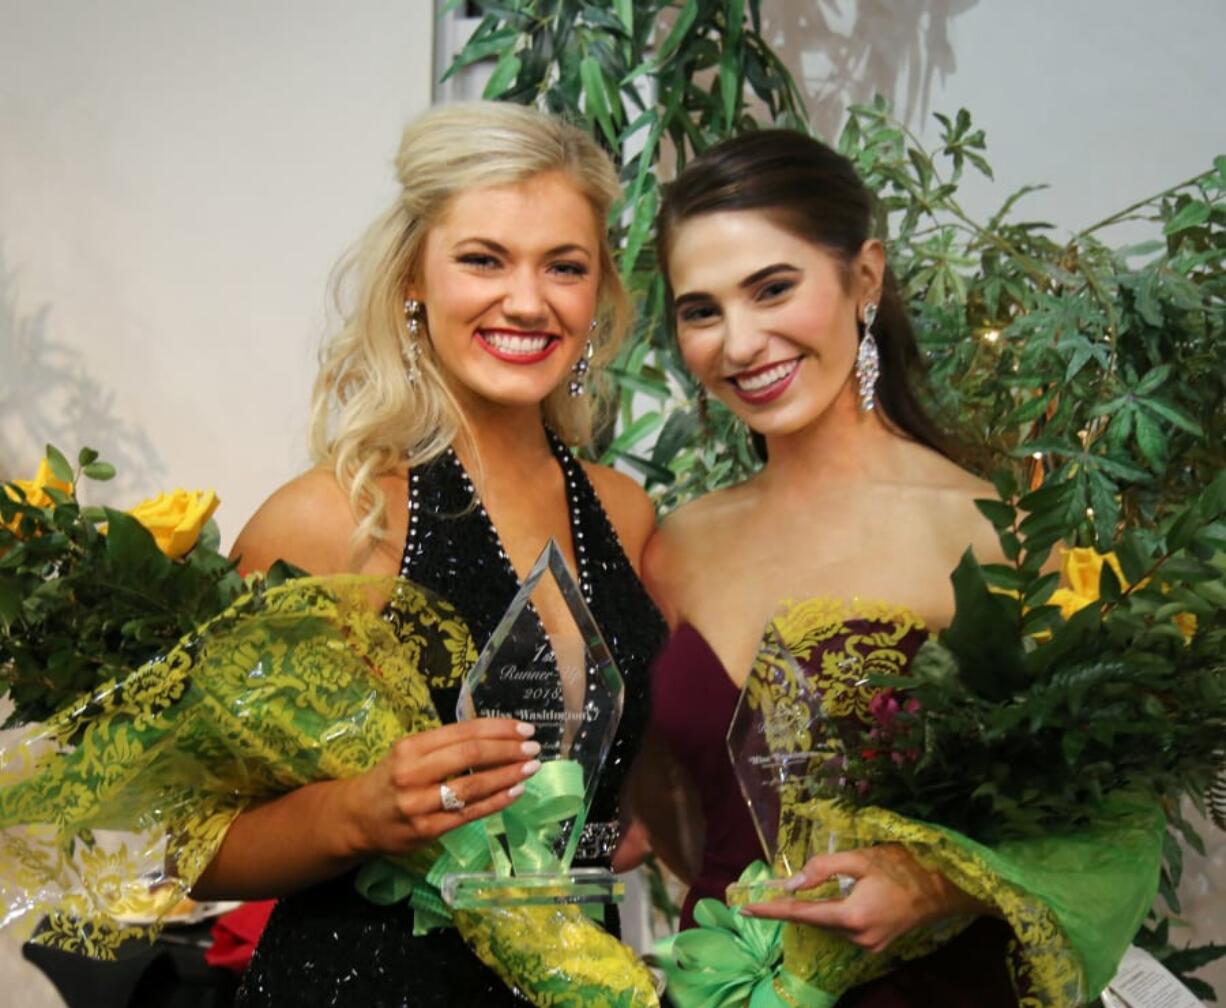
x,y
485,299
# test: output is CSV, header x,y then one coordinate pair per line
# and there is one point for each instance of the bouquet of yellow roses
x,y
161,694
87,593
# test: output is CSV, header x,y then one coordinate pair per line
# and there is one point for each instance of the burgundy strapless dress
x,y
693,700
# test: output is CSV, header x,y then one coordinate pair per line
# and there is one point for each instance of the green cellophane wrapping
x,y
1074,900
123,799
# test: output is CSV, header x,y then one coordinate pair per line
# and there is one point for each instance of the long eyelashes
x,y
482,262
773,290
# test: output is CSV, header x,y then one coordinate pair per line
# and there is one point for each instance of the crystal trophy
x,y
571,690
783,753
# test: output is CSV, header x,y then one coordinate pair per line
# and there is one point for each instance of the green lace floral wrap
x,y
110,810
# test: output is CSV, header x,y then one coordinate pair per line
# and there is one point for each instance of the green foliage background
x,y
1085,377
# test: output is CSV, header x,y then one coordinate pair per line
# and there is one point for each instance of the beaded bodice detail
x,y
452,548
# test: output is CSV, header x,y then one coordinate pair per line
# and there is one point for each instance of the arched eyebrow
x,y
754,278
568,248
758,276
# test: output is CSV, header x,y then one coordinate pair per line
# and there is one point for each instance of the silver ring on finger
x,y
452,802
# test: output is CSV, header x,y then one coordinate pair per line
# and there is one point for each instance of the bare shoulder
x,y
963,524
306,522
681,550
628,507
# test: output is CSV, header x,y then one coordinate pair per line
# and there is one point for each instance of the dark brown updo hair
x,y
815,194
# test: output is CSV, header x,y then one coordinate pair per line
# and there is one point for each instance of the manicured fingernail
x,y
795,882
525,729
531,767
530,748
516,791
746,912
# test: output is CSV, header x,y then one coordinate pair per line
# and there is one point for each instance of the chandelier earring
x,y
868,361
578,381
410,346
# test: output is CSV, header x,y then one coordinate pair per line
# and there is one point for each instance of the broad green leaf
x,y
132,552
1000,514
505,71
677,431
984,634
1040,590
640,227
685,21
60,466
10,603
646,424
596,98
729,85
625,13
1192,215
487,47
100,471
652,472
1134,557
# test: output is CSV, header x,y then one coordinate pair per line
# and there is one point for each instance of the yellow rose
x,y
1186,622
176,518
36,494
1082,568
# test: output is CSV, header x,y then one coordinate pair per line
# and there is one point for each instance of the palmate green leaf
x,y
1151,441
1173,414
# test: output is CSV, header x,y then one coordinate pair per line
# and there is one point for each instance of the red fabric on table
x,y
236,934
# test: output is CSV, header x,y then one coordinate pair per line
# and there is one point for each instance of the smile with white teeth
x,y
764,379
508,344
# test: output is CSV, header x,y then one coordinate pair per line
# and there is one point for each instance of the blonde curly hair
x,y
366,417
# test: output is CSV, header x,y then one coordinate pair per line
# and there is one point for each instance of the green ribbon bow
x,y
553,795
730,960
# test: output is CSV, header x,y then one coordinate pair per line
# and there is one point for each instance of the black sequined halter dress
x,y
327,946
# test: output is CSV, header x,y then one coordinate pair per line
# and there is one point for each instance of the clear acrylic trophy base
x,y
479,890
743,893
740,894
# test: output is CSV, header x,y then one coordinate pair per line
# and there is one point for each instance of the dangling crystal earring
x,y
410,348
868,361
578,382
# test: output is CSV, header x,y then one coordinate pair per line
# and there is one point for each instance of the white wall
x,y
1109,101
177,179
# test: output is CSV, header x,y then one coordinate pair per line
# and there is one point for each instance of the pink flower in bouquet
x,y
884,708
